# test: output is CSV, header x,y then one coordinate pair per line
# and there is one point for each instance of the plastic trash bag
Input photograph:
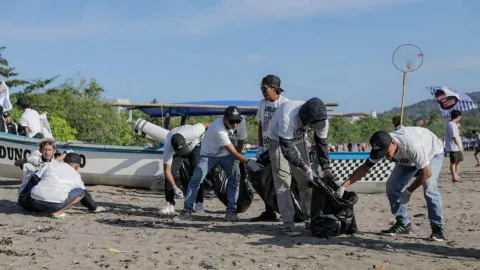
x,y
332,216
262,182
219,180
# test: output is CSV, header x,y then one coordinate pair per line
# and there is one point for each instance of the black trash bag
x,y
332,216
219,180
181,173
262,182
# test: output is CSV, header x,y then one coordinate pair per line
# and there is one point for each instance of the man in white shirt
x,y
453,145
289,153
182,141
61,186
30,119
416,151
476,137
217,148
396,122
272,99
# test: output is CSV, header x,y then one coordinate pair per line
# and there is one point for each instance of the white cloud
x,y
101,19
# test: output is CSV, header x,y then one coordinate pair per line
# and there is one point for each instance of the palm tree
x,y
3,61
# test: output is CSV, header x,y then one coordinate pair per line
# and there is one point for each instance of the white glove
x,y
404,197
69,151
310,175
178,193
339,192
254,166
260,151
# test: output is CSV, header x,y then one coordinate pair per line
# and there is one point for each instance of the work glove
x,y
339,192
328,174
310,174
404,197
254,166
178,193
68,151
260,151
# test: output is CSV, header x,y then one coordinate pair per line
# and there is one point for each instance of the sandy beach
x,y
150,240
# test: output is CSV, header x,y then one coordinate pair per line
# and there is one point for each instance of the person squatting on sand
x,y
182,141
417,152
288,152
56,187
272,99
217,148
477,146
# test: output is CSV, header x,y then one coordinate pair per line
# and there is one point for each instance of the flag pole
x,y
403,97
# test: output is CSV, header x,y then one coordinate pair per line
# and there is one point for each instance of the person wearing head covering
x,y
289,154
217,148
30,119
10,126
415,151
272,99
182,141
453,145
59,186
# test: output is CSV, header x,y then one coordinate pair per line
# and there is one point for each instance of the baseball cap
x,y
314,113
6,114
380,142
273,81
73,158
232,113
179,145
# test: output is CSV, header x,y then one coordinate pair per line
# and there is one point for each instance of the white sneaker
x,y
167,209
200,207
99,209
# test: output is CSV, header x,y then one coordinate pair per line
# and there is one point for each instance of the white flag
x,y
46,131
5,97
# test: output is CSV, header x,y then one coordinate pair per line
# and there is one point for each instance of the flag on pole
x,y
46,130
5,97
450,99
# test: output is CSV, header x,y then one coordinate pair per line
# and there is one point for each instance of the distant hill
x,y
424,108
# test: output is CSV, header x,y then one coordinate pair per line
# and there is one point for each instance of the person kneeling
x,y
60,187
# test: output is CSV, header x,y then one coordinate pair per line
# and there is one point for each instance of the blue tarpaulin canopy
x,y
197,108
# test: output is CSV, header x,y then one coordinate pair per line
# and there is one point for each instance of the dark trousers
x,y
193,158
48,207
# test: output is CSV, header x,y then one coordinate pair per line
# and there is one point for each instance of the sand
x,y
150,240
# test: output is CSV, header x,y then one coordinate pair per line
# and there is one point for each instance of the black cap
x,y
73,158
179,145
273,81
232,113
6,114
380,142
314,113
22,101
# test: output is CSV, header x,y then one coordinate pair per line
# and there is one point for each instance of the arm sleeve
x,y
23,121
321,147
290,152
243,134
223,138
198,130
167,153
259,112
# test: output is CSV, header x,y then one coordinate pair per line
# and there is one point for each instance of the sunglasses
x,y
232,122
264,88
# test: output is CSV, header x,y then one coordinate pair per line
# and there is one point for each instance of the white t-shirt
x,y
218,136
416,146
451,131
265,111
31,119
192,135
286,123
56,182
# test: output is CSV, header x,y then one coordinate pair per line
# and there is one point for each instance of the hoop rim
x,y
403,45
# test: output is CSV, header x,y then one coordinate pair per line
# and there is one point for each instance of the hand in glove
x,y
254,166
310,175
260,151
339,192
404,197
178,193
69,151
328,174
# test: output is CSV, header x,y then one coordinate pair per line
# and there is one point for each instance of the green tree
x,y
3,61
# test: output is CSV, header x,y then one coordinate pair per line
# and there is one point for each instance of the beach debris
x,y
7,241
419,215
112,250
380,266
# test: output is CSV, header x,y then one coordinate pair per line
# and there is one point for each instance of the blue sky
x,y
180,50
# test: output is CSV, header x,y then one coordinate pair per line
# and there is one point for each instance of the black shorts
x,y
477,149
456,157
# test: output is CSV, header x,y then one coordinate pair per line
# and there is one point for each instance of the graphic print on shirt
x,y
403,161
299,133
268,112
